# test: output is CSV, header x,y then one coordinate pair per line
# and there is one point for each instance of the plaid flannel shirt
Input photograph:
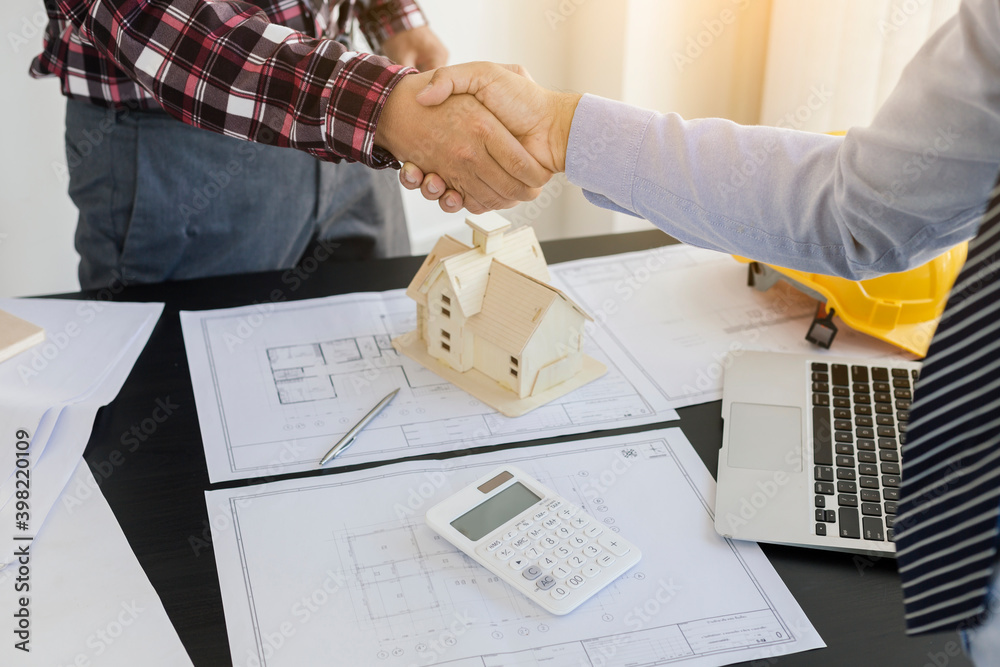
x,y
253,71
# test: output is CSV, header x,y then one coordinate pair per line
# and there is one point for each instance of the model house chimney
x,y
487,230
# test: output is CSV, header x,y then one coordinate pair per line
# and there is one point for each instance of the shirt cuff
x,y
360,91
390,17
603,147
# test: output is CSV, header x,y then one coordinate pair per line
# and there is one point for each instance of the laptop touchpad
x,y
765,437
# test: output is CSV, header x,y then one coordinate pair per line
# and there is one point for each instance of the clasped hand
x,y
479,135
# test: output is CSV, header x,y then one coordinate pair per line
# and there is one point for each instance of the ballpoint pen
x,y
349,437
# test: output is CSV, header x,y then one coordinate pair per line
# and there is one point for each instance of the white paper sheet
x,y
682,314
277,385
54,394
88,601
342,569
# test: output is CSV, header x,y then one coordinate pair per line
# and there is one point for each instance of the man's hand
x,y
460,140
540,119
417,47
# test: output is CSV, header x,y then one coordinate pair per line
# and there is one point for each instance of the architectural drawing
x,y
489,321
367,583
277,384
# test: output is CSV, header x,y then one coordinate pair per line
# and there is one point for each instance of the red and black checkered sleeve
x,y
381,19
225,67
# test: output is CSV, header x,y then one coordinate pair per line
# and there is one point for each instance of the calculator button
x,y
614,544
520,543
577,541
532,572
554,505
576,581
579,521
561,572
546,582
540,514
494,545
591,571
509,535
591,550
551,522
562,532
505,553
562,551
547,562
593,530
518,563
568,512
533,553
523,524
605,560
534,534
577,561
559,592
548,542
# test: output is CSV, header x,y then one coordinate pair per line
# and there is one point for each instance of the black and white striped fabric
x,y
946,530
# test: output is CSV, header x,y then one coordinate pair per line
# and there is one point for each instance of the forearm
x,y
885,198
223,66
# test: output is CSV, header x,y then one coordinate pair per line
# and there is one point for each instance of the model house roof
x,y
446,246
513,307
468,270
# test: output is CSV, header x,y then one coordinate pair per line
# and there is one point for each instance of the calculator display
x,y
495,512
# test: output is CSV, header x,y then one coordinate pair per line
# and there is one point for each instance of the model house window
x,y
513,372
445,346
446,312
445,335
513,362
445,299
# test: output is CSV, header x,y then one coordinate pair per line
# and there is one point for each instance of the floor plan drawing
x,y
368,582
683,313
277,385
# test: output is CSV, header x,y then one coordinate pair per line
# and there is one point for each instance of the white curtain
x,y
831,64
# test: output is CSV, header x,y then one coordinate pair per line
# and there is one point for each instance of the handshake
x,y
479,135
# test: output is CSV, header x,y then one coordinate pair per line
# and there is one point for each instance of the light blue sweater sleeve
x,y
884,198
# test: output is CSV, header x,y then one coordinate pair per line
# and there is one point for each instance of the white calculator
x,y
540,543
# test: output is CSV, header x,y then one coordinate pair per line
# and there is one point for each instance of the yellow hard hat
x,y
899,308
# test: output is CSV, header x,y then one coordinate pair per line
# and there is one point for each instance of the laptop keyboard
x,y
859,414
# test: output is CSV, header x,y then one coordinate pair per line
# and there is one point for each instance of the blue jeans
x,y
161,200
982,643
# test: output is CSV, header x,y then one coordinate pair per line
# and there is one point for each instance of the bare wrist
x,y
565,108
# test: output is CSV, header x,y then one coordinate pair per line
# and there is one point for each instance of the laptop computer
x,y
810,450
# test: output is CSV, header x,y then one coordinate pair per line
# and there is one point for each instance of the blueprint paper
x,y
682,314
341,569
90,602
277,385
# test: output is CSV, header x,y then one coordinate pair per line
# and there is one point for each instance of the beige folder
x,y
17,335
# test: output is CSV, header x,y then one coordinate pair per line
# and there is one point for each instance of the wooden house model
x,y
488,321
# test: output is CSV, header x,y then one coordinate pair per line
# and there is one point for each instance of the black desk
x,y
157,488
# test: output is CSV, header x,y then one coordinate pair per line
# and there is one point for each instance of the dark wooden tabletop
x,y
155,481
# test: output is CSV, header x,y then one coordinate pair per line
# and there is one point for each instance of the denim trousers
x,y
160,200
982,643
